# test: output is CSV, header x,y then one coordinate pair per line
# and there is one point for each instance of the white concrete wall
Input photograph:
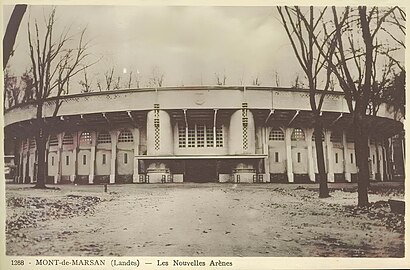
x,y
235,137
280,147
67,170
166,145
84,169
100,168
52,168
125,168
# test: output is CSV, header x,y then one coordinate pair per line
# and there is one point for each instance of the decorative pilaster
x,y
347,174
136,136
114,136
310,160
329,147
92,158
289,165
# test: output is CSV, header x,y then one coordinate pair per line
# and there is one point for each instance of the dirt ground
x,y
202,220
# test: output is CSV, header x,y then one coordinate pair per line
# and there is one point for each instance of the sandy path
x,y
213,220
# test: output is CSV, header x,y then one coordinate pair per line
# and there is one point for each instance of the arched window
x,y
336,136
276,135
104,137
125,136
349,138
85,138
314,137
32,143
298,135
25,144
68,139
53,140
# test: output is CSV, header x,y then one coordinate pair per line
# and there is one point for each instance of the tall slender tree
x,y
355,65
54,61
310,48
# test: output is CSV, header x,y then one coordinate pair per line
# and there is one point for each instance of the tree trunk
x,y
41,151
362,160
41,147
323,188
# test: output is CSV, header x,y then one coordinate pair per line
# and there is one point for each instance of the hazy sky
x,y
188,44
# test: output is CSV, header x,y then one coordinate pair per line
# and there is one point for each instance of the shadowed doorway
x,y
200,171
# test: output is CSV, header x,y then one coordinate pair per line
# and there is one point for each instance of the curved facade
x,y
195,134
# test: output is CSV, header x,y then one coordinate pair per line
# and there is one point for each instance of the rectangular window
x,y
104,159
298,157
125,158
52,161
191,137
67,160
351,158
336,158
374,159
84,160
181,137
200,136
219,137
276,156
209,137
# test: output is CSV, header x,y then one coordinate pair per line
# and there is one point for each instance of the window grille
x,y
32,143
25,145
53,141
68,139
181,137
200,136
191,137
125,136
298,135
209,137
85,138
219,137
336,137
104,138
276,135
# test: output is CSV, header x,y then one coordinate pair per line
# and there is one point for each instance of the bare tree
x,y
355,63
53,63
11,32
309,46
276,78
256,81
221,79
129,81
12,89
28,86
109,75
157,77
85,83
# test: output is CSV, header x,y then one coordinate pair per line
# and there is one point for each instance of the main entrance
x,y
200,171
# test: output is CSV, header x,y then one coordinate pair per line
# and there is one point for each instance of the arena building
x,y
196,134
